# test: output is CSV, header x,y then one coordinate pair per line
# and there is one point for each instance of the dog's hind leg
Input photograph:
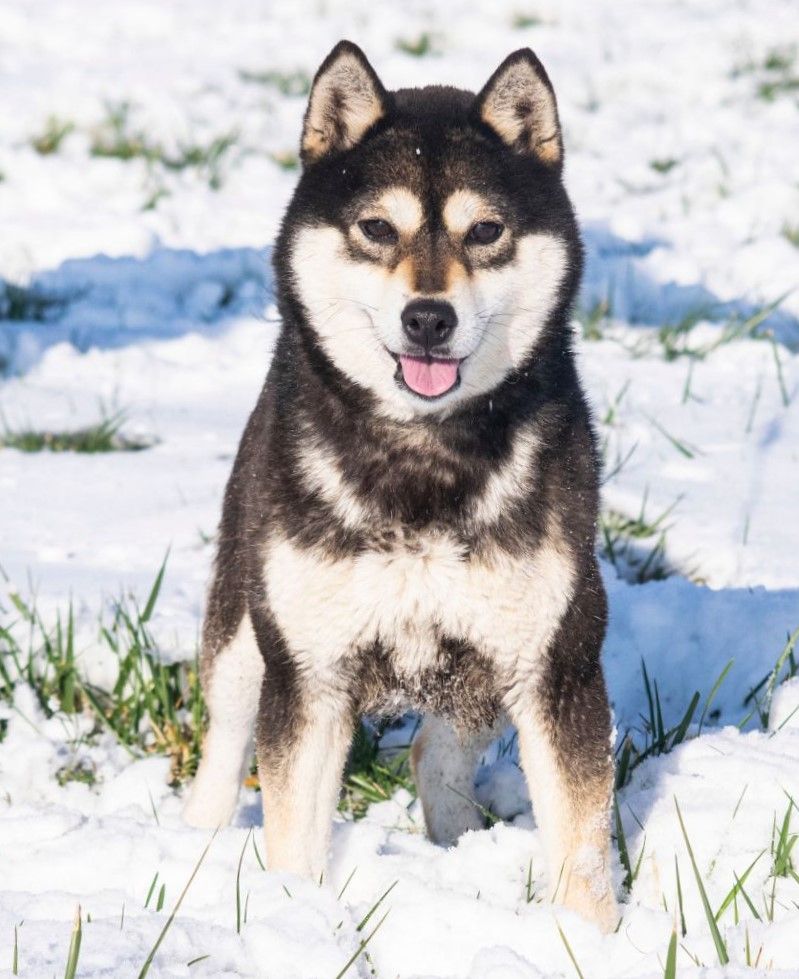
x,y
444,763
232,679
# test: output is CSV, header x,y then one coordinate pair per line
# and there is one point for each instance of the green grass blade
x,y
565,941
151,889
714,690
682,728
346,884
621,843
375,906
737,886
238,882
361,946
162,935
718,941
670,972
154,591
74,948
749,902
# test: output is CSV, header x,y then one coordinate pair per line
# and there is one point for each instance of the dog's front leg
x,y
301,743
564,724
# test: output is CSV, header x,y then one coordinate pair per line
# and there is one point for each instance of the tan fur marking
x,y
574,820
464,208
400,207
509,481
406,271
299,791
455,275
322,474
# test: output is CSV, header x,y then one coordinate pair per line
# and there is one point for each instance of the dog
x,y
410,520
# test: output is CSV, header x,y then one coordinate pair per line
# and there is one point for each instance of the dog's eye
x,y
376,229
484,233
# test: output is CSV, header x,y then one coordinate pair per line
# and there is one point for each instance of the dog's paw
x,y
601,910
586,887
207,807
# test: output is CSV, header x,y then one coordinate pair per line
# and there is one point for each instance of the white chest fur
x,y
506,606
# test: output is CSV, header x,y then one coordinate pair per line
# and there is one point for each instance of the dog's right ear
x,y
347,99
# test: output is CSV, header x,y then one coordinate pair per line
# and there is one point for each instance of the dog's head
x,y
430,241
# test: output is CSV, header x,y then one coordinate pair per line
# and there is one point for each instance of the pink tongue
x,y
429,377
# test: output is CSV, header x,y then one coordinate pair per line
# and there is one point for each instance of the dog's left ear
x,y
518,103
347,99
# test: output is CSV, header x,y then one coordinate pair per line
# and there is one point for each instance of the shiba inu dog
x,y
410,520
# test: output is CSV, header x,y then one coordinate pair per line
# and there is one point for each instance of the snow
x,y
159,305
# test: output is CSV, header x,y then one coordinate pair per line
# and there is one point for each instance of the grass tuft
x,y
636,546
760,696
102,436
418,46
657,738
152,707
369,779
292,83
663,165
52,136
115,138
525,21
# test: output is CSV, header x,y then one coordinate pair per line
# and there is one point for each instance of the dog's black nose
x,y
429,323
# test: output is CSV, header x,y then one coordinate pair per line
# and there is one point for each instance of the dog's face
x,y
430,239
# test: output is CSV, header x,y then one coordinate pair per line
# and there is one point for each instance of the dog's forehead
x,y
428,166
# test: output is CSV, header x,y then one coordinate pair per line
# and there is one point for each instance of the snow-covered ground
x,y
149,293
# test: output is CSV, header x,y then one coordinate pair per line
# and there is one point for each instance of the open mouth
x,y
429,377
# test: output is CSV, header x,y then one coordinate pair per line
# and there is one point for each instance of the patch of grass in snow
x,y
524,21
103,436
371,776
678,339
286,159
636,546
29,304
52,136
80,770
781,78
594,320
791,233
782,844
663,165
116,138
760,696
152,707
292,83
419,46
654,737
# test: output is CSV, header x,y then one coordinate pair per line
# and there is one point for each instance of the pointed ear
x,y
518,103
347,98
